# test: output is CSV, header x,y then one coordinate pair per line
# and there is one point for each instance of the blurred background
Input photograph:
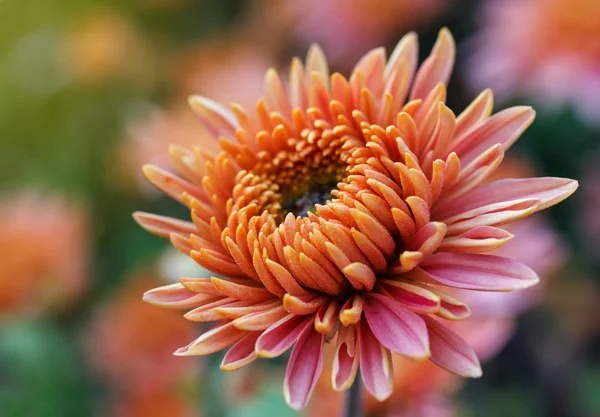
x,y
90,90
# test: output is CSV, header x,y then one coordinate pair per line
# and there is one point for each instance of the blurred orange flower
x,y
44,240
546,48
131,344
102,45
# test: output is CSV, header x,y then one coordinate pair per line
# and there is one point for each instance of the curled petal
x,y
478,272
346,359
351,311
451,352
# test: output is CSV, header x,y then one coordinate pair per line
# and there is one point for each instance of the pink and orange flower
x,y
339,211
548,49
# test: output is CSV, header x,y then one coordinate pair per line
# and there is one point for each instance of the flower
x,y
558,65
365,269
130,341
358,25
45,251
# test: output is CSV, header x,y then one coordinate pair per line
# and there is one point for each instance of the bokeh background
x,y
90,90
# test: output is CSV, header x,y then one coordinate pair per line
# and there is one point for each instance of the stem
x,y
353,406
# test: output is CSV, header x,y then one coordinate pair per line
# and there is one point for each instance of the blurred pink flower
x,y
160,403
548,49
356,26
131,343
45,249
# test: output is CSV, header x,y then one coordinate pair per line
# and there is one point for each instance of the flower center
x,y
318,191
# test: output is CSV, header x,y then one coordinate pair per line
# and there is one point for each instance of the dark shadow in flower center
x,y
317,192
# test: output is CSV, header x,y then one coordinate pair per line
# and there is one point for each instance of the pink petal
x,y
396,327
163,226
217,119
414,297
375,364
345,361
281,336
240,354
177,296
477,240
451,352
504,127
437,67
214,340
304,368
549,190
478,272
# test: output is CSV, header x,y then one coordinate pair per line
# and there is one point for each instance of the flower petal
x,y
437,67
214,340
376,366
396,327
304,368
240,354
176,296
549,190
346,359
281,335
451,352
478,272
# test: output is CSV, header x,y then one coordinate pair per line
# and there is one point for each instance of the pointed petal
x,y
549,190
163,226
437,67
280,336
240,354
304,368
376,367
217,119
451,352
214,340
504,127
478,272
176,296
396,327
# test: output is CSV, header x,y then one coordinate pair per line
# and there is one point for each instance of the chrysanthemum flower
x,y
558,65
338,211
